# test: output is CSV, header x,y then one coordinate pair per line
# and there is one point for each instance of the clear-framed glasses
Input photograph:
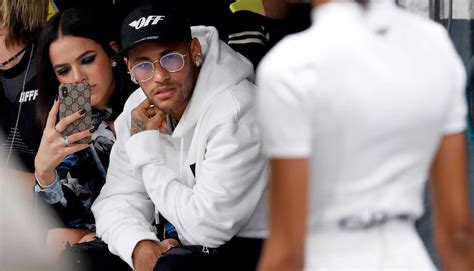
x,y
144,71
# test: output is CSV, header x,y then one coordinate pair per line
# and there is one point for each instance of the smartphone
x,y
74,97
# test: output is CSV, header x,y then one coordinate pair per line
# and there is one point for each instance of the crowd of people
x,y
237,144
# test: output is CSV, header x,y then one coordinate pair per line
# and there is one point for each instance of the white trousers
x,y
394,245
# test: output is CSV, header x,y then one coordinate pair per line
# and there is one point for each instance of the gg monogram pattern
x,y
73,98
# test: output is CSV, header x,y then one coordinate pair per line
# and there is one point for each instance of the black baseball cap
x,y
153,23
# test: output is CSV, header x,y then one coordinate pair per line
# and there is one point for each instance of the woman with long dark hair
x,y
76,46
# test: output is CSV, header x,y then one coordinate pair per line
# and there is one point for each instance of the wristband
x,y
43,186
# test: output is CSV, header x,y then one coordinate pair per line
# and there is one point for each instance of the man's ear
x,y
196,52
127,63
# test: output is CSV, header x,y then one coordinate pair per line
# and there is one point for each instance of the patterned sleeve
x,y
51,194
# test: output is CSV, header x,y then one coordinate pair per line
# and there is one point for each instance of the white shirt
x,y
366,95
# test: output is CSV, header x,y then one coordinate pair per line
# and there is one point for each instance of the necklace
x,y
12,58
19,107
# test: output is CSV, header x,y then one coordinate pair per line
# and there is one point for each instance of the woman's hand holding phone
x,y
54,147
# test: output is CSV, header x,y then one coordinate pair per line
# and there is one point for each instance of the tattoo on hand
x,y
137,126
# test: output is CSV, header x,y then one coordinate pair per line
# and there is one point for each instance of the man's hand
x,y
168,243
147,252
148,117
145,255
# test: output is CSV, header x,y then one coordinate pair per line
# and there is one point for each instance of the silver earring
x,y
198,63
114,63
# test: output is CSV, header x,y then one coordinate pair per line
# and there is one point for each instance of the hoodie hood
x,y
222,69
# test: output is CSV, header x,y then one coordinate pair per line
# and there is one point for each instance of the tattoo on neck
x,y
137,126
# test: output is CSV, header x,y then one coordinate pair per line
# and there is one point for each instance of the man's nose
x,y
161,74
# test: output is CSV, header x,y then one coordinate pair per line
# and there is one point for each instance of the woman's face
x,y
77,59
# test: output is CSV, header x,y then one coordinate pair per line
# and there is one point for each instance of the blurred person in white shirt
x,y
357,113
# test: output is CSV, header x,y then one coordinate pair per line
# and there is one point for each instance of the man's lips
x,y
164,93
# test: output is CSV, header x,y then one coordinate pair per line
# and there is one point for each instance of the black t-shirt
x,y
24,141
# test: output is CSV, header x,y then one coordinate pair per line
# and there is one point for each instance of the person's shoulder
x,y
290,52
232,104
415,25
425,32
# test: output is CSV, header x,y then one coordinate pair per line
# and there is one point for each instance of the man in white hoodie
x,y
187,150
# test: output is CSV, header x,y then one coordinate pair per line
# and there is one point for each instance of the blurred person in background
x,y
357,114
22,226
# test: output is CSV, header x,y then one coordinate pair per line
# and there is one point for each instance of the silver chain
x,y
19,107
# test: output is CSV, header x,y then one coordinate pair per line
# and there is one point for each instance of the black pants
x,y
240,254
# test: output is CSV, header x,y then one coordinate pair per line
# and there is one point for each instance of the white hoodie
x,y
150,172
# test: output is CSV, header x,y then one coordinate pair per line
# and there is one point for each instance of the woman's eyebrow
x,y
78,58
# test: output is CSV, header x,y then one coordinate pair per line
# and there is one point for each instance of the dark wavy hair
x,y
84,23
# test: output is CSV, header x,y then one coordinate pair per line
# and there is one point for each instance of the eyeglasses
x,y
144,71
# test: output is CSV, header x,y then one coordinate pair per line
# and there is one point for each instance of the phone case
x,y
73,98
